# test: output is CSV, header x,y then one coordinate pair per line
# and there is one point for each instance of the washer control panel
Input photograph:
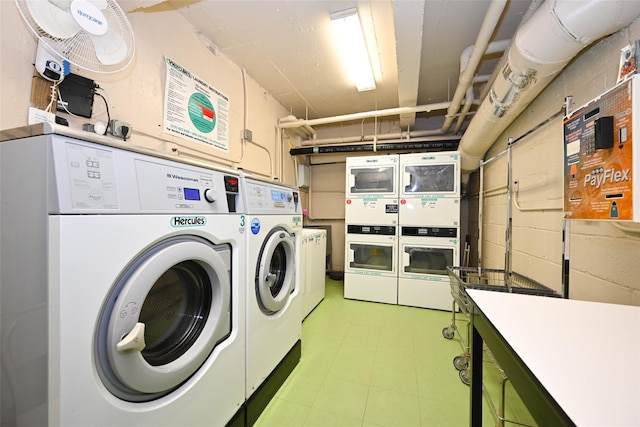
x,y
97,178
265,198
167,187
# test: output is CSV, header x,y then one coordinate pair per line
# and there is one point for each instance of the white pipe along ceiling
x,y
399,136
542,47
288,123
468,70
493,47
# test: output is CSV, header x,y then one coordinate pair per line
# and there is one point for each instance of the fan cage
x,y
79,49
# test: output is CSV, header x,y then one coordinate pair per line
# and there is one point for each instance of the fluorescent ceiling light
x,y
350,39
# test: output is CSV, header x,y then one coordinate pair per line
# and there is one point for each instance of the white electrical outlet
x,y
40,116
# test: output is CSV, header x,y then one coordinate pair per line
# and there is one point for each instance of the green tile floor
x,y
377,365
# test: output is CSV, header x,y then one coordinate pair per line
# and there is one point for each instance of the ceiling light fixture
x,y
350,39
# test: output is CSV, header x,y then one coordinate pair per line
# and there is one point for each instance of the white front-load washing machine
x,y
120,288
274,317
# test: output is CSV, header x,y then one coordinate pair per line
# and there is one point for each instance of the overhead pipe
x,y
467,72
493,47
289,124
469,101
542,47
362,138
533,7
305,130
448,144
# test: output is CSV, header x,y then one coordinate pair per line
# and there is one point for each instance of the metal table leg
x,y
476,376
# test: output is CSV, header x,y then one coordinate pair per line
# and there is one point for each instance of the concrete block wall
x,y
603,256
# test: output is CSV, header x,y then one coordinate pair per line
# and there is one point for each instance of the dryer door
x,y
275,271
167,312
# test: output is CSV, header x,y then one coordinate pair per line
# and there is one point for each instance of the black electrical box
x,y
604,132
76,95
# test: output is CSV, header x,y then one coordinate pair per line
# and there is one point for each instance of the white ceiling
x,y
287,47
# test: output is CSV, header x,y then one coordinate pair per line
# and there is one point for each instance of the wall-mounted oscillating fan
x,y
94,35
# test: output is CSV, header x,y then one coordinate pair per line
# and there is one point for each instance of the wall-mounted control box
x,y
601,165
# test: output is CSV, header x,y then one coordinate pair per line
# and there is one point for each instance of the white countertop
x,y
585,354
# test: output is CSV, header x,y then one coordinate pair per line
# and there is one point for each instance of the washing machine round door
x,y
275,271
166,314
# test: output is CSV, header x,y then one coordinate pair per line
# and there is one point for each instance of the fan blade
x,y
100,4
62,4
52,20
110,47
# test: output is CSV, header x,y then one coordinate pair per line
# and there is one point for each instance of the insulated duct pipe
x,y
543,46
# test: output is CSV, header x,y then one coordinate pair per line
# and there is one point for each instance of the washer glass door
x,y
275,271
167,312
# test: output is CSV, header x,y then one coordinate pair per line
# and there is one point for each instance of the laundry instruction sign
x,y
193,109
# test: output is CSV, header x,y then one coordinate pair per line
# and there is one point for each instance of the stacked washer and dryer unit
x,y
429,218
402,221
274,317
371,229
120,286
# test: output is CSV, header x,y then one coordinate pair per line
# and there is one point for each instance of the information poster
x,y
195,110
599,158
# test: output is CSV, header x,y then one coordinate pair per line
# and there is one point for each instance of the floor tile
x,y
400,378
353,366
320,418
342,397
388,408
301,388
394,355
446,413
398,335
